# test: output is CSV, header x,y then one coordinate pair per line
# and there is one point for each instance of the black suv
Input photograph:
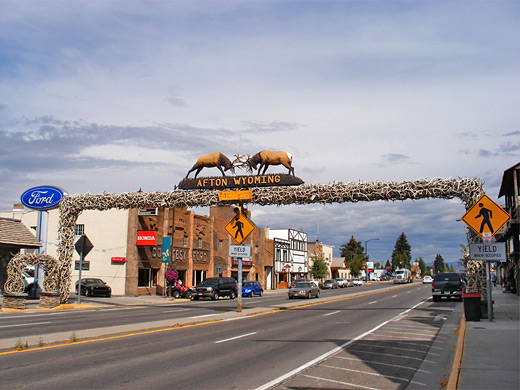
x,y
214,288
447,285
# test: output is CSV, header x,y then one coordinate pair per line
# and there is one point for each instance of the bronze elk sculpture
x,y
216,159
266,157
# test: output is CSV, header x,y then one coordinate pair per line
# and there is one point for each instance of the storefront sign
x,y
166,248
200,257
148,238
118,259
42,198
245,263
222,182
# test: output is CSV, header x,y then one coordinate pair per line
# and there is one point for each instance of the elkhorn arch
x,y
468,190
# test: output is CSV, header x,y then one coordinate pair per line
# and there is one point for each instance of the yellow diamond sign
x,y
485,216
240,227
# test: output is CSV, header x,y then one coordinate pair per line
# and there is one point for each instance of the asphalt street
x,y
380,331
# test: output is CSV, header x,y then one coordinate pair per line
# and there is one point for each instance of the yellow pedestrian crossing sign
x,y
485,217
240,227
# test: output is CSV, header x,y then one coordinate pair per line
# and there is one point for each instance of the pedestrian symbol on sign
x,y
240,227
485,217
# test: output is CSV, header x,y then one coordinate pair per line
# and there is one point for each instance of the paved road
x,y
332,339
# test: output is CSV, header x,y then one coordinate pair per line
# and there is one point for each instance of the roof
x,y
338,262
13,232
507,187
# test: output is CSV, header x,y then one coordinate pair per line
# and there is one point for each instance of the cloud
x,y
390,159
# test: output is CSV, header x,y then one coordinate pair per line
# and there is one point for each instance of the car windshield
x,y
399,272
95,282
302,285
210,282
447,276
248,284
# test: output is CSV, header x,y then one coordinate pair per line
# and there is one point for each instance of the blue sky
x,y
120,95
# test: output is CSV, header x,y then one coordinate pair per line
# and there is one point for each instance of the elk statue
x,y
265,158
212,160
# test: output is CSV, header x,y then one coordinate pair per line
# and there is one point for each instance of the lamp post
x,y
366,253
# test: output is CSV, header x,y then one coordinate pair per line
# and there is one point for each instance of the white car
x,y
357,282
427,279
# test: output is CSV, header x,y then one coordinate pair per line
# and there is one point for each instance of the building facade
x,y
290,255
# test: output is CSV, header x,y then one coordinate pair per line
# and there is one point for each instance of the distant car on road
x,y
342,282
447,285
427,279
304,290
330,283
296,281
357,282
252,288
94,287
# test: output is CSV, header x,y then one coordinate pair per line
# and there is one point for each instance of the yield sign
x,y
240,227
485,216
83,245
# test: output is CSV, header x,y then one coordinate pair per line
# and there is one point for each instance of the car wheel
x,y
290,297
436,298
109,295
175,294
195,298
232,295
318,294
188,294
309,295
215,296
261,293
86,292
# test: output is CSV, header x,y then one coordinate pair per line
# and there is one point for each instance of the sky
x,y
118,96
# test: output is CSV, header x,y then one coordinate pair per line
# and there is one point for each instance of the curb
x,y
457,360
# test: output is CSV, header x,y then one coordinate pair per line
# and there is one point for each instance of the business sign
x,y
235,195
485,217
42,197
240,251
118,259
491,252
146,238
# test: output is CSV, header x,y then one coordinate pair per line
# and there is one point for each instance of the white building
x,y
108,233
290,255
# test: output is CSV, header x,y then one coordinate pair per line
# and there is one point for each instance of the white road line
x,y
391,355
408,292
381,364
394,296
234,338
174,310
371,303
340,382
204,315
35,315
32,323
331,313
364,372
332,351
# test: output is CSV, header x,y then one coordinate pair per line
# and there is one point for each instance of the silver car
x,y
304,290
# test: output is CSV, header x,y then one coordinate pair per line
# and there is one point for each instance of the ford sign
x,y
42,198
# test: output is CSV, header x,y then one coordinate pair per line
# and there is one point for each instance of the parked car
x,y
357,282
94,287
350,283
330,283
342,282
252,288
447,285
427,279
214,288
304,290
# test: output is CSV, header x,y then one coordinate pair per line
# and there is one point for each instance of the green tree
x,y
422,266
354,255
402,253
377,265
438,264
319,268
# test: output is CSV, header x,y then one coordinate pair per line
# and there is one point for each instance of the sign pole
x,y
489,295
80,269
239,292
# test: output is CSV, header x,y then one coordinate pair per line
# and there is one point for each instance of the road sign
x,y
244,251
85,265
485,216
84,244
235,195
492,252
240,227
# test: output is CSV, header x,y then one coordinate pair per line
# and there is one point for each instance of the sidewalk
x,y
491,355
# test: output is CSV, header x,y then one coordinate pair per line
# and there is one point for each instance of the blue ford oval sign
x,y
42,198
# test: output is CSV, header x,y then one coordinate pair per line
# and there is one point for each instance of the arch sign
x,y
468,190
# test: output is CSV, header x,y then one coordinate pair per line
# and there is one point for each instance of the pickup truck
x,y
214,288
447,285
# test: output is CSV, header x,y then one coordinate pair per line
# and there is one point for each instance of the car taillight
x,y
433,284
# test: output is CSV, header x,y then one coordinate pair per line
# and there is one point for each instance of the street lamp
x,y
366,252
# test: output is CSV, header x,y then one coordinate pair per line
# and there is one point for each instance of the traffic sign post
x,y
238,252
240,227
485,217
83,247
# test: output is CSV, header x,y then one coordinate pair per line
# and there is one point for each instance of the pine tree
x,y
438,264
402,253
353,252
422,266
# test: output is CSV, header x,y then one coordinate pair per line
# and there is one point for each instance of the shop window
x,y
199,243
147,277
219,244
79,230
185,241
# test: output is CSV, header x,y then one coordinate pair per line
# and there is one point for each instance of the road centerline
x,y
234,338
